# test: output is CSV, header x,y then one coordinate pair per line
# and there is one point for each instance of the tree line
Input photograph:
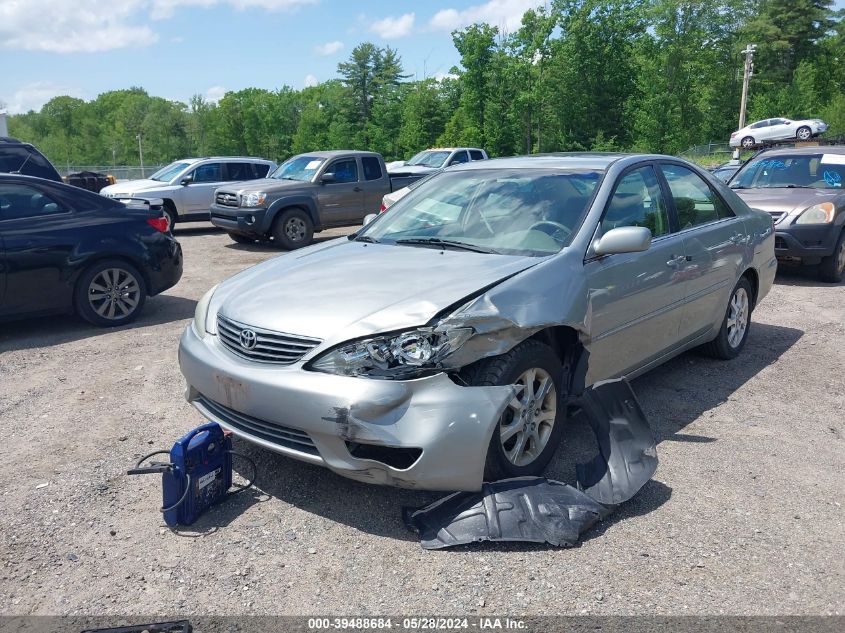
x,y
642,75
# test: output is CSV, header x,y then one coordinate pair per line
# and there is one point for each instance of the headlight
x,y
201,313
253,199
821,213
406,355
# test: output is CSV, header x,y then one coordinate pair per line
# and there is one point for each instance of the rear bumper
x,y
165,263
808,241
248,222
321,418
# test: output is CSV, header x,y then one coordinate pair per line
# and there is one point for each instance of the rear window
x,y
476,154
372,168
261,169
27,162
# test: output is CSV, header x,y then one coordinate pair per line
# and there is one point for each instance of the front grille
x,y
780,243
776,216
226,199
269,346
262,429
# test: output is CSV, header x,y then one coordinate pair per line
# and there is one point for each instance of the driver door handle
x,y
677,261
357,189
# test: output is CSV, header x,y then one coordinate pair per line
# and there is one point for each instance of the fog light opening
x,y
398,457
250,219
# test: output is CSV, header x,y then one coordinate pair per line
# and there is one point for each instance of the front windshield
x,y
298,168
166,174
532,212
429,159
817,171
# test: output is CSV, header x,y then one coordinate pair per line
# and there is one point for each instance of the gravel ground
x,y
744,515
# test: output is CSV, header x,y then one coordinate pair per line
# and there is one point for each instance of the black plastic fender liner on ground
x,y
540,510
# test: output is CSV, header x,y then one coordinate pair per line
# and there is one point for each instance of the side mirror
x,y
369,218
624,239
328,178
187,180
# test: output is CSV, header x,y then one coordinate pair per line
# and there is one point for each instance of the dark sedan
x,y
64,249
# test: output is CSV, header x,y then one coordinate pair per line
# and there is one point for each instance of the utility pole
x,y
746,75
140,154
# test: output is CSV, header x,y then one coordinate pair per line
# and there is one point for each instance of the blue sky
x,y
177,48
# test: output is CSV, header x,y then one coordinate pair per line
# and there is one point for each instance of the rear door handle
x,y
737,238
677,261
357,189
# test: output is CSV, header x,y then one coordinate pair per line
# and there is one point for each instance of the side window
x,y
637,201
475,154
372,168
208,173
239,171
695,202
23,201
345,170
261,169
759,124
459,157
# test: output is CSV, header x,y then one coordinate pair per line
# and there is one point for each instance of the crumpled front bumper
x,y
316,417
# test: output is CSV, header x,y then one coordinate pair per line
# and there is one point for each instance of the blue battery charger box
x,y
201,474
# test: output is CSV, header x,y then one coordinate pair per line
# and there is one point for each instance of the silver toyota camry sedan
x,y
443,343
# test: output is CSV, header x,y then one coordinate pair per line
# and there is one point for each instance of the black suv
x,y
17,157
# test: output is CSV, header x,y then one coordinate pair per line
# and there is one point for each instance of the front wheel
x,y
293,229
110,293
528,433
804,133
734,331
833,266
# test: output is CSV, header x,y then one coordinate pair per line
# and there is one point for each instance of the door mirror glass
x,y
625,239
328,178
186,181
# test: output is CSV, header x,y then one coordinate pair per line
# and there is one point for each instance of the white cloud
x,y
164,8
391,28
65,27
34,95
310,81
440,76
329,48
505,14
92,26
215,93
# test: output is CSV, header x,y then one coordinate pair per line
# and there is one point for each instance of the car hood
x,y
266,185
133,186
345,289
783,199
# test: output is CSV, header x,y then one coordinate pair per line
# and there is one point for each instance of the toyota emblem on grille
x,y
248,339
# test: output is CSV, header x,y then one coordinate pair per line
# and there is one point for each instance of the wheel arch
x,y
304,203
754,279
566,343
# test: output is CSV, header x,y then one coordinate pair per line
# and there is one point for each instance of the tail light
x,y
733,134
382,208
159,224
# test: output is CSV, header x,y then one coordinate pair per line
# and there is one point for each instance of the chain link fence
x,y
120,172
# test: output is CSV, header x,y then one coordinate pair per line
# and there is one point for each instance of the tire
x,y
804,133
170,213
833,266
730,340
293,229
747,142
94,300
241,239
504,458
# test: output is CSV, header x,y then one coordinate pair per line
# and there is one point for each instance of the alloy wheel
x,y
114,293
527,423
295,229
738,317
804,134
840,258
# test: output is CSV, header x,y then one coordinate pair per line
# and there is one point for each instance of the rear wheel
x,y
241,239
833,266
734,331
293,229
804,133
526,436
110,293
747,143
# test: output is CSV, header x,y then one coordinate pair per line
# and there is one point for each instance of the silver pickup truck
x,y
306,194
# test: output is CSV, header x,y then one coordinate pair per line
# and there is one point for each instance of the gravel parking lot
x,y
744,515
